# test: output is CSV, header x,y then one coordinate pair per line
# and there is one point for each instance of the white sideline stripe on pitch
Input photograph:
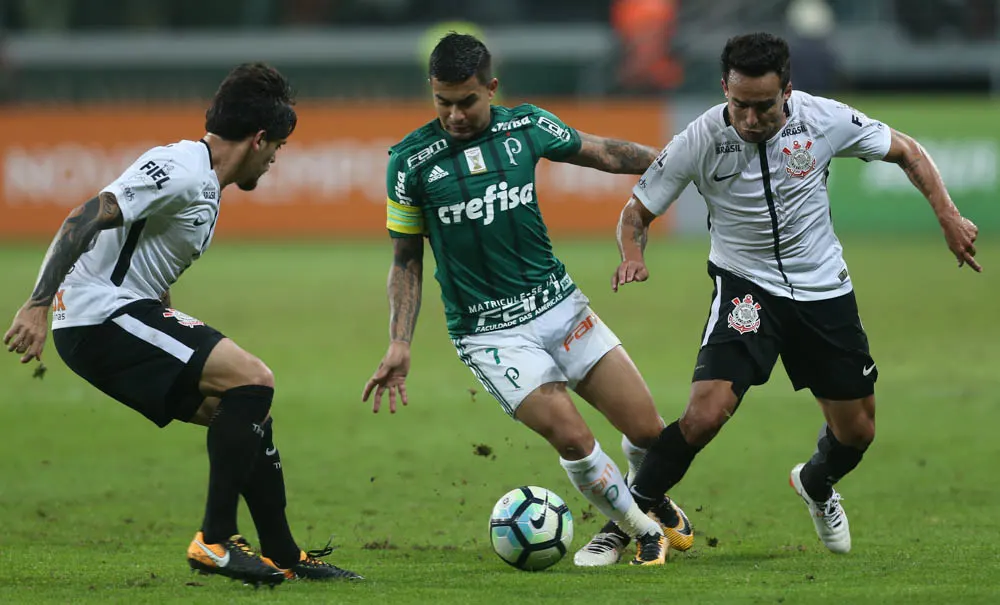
x,y
713,314
158,339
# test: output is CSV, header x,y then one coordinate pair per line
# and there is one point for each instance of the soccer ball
x,y
531,528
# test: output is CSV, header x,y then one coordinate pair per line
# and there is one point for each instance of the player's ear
x,y
788,90
492,87
259,140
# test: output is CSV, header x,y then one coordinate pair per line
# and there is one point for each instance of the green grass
x,y
98,505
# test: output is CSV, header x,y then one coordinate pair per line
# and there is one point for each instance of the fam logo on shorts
x,y
581,330
183,318
744,317
800,160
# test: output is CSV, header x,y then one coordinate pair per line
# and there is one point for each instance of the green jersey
x,y
476,202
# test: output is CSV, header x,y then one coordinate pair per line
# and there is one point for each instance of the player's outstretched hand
x,y
390,376
628,272
961,233
26,335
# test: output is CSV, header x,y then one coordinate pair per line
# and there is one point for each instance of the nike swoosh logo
x,y
198,222
220,561
867,371
686,529
270,451
540,521
719,179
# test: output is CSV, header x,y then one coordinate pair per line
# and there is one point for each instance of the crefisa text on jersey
x,y
505,126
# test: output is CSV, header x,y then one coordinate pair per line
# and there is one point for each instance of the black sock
x,y
828,465
664,466
265,497
233,443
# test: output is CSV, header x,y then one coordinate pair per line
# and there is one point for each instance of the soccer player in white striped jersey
x,y
782,287
107,278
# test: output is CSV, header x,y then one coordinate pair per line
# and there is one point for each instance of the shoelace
x,y
244,547
312,560
603,543
313,556
833,513
652,541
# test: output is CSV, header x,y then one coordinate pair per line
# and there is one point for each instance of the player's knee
x,y
256,373
861,435
703,419
700,428
573,442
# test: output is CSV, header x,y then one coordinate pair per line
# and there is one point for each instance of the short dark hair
x,y
253,97
458,57
757,54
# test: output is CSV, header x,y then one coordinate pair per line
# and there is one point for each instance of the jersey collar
x,y
209,150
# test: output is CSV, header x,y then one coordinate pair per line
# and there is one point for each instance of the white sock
x,y
599,480
635,455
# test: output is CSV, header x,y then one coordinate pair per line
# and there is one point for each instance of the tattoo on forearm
x,y
613,155
637,231
405,280
76,233
926,177
912,170
626,157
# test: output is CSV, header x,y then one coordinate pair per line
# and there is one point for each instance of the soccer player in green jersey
x,y
466,182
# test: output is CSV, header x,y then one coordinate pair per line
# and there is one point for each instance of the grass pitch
x,y
98,505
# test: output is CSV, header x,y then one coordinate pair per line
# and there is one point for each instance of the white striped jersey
x,y
768,205
169,200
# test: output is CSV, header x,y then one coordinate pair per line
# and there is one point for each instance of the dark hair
x,y
458,57
253,97
756,55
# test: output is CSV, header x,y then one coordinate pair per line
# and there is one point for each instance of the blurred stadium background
x,y
88,83
96,504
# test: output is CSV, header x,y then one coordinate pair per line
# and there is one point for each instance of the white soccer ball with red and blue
x,y
531,528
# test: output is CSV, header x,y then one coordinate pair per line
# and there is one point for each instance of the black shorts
x,y
822,344
146,356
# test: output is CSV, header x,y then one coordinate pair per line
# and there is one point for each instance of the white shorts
x,y
562,345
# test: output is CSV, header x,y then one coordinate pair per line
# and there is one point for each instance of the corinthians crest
x,y
744,318
800,160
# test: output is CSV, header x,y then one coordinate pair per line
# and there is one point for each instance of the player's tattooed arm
x,y
633,225
613,155
405,282
922,172
959,232
77,232
633,233
633,229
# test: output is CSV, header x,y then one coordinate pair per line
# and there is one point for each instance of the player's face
x,y
463,108
756,105
260,156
